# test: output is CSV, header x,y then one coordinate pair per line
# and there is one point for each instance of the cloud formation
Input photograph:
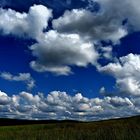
x,y
127,74
71,42
95,26
73,36
60,105
104,24
57,52
29,24
4,99
54,52
21,77
125,9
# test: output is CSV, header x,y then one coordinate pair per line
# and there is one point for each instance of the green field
x,y
122,129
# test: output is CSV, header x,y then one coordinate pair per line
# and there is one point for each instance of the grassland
x,y
121,129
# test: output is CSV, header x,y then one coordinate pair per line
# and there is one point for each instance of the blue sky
x,y
66,59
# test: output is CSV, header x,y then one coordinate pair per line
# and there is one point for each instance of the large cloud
x,y
96,26
21,77
127,74
71,43
57,52
25,24
107,23
125,9
4,99
60,105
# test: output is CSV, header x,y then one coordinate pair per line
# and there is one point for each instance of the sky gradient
x,y
69,59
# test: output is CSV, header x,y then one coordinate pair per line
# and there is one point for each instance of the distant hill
x,y
12,122
8,122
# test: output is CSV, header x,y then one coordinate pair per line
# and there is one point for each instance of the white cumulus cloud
x,y
61,105
21,77
29,24
71,41
57,52
127,73
4,99
96,26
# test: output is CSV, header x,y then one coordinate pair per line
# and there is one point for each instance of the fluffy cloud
x,y
125,9
4,99
127,74
60,105
25,24
97,26
106,52
71,42
54,52
121,10
118,101
57,52
21,77
101,25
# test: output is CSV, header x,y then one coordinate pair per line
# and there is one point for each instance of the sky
x,y
69,59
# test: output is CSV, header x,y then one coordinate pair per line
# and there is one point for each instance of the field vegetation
x,y
119,129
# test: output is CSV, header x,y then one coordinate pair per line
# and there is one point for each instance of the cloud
x,y
102,90
60,105
106,52
21,77
119,102
29,97
96,26
127,74
54,52
123,9
71,41
29,24
106,23
4,99
57,52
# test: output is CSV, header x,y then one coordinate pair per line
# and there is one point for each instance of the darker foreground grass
x,y
122,129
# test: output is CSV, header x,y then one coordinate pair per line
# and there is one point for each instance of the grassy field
x,y
122,129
